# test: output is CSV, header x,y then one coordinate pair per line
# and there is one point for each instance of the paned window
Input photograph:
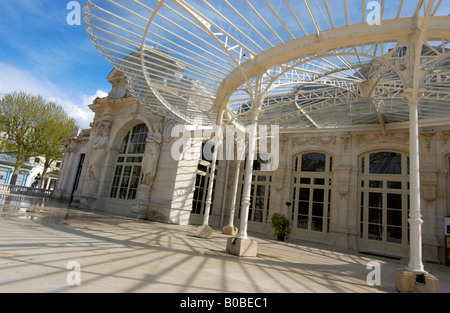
x,y
128,171
311,193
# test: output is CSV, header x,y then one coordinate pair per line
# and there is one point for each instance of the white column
x,y
218,141
224,192
234,194
47,186
62,170
68,171
210,186
412,96
252,138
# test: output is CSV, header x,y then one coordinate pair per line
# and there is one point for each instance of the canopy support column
x,y
239,140
414,278
241,245
252,137
205,231
415,217
230,229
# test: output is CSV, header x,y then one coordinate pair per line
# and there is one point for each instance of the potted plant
x,y
281,225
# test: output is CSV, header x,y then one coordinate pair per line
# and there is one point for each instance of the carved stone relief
x,y
314,140
369,138
428,134
429,192
168,130
152,152
99,150
444,137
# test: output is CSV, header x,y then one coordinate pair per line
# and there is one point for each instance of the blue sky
x,y
41,54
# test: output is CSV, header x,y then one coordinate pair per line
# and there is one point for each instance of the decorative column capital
x,y
413,96
255,113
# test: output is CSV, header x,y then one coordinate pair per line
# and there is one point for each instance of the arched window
x,y
311,192
384,202
128,172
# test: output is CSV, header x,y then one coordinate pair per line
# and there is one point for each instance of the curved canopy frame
x,y
291,63
310,63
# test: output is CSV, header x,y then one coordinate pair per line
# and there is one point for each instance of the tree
x,y
33,125
57,125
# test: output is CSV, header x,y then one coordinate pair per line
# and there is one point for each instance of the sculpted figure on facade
x,y
152,152
99,150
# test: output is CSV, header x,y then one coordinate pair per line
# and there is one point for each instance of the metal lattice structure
x,y
303,63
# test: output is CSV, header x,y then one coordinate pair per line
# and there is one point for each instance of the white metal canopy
x,y
304,63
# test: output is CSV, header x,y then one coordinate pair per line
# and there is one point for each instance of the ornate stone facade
x,y
159,183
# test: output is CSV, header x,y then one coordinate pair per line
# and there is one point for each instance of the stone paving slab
x,y
117,254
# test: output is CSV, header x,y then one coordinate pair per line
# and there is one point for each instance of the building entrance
x,y
384,203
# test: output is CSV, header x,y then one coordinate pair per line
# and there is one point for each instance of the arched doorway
x,y
384,203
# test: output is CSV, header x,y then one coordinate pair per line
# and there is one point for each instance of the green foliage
x,y
281,225
6,145
34,126
57,125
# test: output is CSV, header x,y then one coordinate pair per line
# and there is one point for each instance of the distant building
x,y
50,178
31,172
7,165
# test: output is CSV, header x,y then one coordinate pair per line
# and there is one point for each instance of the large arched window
x,y
128,172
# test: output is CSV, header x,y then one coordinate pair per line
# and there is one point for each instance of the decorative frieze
x,y
346,137
314,140
389,137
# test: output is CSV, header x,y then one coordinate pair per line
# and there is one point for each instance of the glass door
x,y
311,196
384,204
201,187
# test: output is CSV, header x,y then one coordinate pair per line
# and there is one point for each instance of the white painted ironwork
x,y
187,59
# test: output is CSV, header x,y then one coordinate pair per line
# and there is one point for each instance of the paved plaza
x,y
39,238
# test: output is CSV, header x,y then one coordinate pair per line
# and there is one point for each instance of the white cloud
x,y
87,100
14,79
82,114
